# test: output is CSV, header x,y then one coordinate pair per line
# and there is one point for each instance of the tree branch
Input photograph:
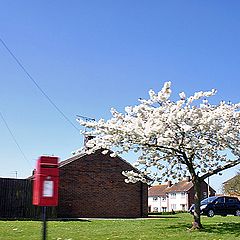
x,y
232,164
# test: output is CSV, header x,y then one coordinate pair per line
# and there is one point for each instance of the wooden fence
x,y
16,200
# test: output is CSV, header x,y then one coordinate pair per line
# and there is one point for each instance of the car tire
x,y
210,213
237,213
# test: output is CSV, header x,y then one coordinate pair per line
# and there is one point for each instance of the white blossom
x,y
170,135
105,152
113,154
182,95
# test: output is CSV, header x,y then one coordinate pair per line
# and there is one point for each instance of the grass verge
x,y
172,227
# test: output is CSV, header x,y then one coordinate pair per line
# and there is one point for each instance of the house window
x,y
183,194
173,195
183,207
173,206
155,209
155,198
164,209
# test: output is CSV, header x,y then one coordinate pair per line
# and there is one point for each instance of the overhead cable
x,y
36,84
14,139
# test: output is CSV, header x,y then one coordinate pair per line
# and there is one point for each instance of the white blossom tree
x,y
186,137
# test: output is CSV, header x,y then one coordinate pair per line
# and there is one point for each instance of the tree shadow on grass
x,y
223,228
219,228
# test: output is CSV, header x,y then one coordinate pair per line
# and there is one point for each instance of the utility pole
x,y
16,174
208,190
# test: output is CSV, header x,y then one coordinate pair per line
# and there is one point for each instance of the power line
x,y
37,85
14,139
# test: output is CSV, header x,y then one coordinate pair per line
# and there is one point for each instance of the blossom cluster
x,y
176,138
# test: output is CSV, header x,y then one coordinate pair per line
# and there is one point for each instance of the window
x,y
231,200
220,200
155,209
164,209
183,194
183,207
173,195
155,198
173,206
163,199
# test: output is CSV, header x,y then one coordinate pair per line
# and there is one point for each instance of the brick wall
x,y
93,186
204,188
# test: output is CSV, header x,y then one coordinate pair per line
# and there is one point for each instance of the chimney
x,y
169,183
86,139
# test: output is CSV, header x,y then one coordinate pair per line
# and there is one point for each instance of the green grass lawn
x,y
165,227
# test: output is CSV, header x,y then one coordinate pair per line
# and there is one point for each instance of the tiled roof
x,y
162,189
182,186
159,190
229,180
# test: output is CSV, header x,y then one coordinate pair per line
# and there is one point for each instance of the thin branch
x,y
232,164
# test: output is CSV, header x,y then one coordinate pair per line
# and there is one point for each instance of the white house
x,y
176,197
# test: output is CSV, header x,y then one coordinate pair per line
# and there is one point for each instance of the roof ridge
x,y
71,159
84,153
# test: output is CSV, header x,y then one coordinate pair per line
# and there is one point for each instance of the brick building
x,y
177,197
232,186
93,186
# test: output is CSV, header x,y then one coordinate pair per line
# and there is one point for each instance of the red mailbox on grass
x,y
45,185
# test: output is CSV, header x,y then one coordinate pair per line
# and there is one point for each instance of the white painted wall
x,y
178,201
175,201
155,204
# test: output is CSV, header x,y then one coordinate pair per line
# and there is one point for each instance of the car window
x,y
220,200
208,200
231,200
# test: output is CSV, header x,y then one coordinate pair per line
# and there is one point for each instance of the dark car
x,y
223,205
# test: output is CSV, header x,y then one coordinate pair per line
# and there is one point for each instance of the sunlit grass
x,y
166,227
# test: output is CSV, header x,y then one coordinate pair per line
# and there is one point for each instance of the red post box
x,y
46,179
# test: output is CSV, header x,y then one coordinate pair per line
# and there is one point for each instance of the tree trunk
x,y
197,199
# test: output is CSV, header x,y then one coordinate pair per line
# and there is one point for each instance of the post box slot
x,y
49,166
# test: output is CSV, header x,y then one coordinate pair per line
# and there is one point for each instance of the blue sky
x,y
89,56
